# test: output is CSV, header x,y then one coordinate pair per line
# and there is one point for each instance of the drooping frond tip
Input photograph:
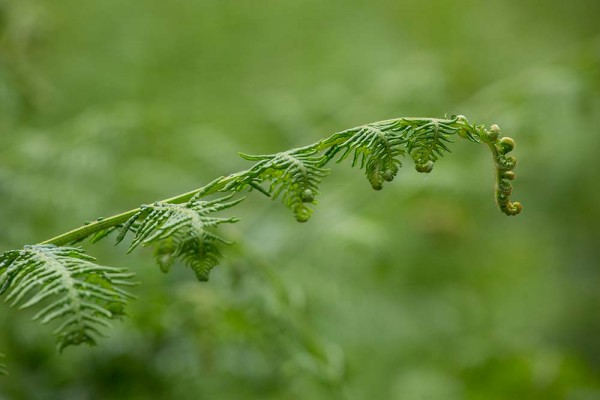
x,y
505,174
504,165
81,295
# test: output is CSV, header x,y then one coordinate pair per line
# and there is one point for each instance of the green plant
x,y
83,296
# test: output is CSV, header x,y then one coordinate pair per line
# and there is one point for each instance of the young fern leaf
x,y
375,147
294,175
181,231
83,295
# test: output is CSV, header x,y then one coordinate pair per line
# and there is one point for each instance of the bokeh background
x,y
421,291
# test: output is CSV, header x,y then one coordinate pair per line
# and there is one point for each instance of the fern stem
x,y
105,223
89,229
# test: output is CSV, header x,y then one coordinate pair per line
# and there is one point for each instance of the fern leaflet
x,y
181,231
375,147
294,175
82,294
427,142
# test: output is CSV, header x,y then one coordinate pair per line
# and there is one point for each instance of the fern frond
x,y
294,175
80,294
375,147
84,295
181,231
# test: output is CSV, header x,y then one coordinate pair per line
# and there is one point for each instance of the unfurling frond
x,y
504,164
504,174
294,175
375,147
181,231
74,290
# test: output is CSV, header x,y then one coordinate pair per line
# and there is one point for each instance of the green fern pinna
x,y
81,297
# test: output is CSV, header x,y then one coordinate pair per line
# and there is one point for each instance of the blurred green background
x,y
421,291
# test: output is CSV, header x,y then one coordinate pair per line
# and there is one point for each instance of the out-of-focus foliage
x,y
421,291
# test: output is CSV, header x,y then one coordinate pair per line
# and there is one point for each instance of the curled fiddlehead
x,y
504,166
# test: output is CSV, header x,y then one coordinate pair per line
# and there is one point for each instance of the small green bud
x,y
507,163
505,188
302,213
502,198
494,132
388,175
302,216
516,208
506,145
511,209
377,185
510,175
307,196
460,118
426,168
